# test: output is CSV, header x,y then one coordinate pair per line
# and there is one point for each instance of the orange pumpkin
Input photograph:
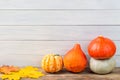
x,y
52,63
101,48
75,59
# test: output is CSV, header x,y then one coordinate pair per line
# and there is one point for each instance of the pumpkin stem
x,y
101,36
56,55
77,46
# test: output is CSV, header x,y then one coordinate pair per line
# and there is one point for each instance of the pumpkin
x,y
102,66
75,59
52,63
101,48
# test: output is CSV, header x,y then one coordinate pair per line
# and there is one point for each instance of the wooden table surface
x,y
85,75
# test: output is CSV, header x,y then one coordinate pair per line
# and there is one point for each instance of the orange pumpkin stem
x,y
100,35
76,47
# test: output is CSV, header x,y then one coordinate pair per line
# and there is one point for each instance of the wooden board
x,y
85,75
59,4
59,33
42,47
43,17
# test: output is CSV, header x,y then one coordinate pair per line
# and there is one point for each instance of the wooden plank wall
x,y
29,29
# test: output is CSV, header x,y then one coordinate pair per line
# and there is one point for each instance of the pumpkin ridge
x,y
52,63
47,62
55,63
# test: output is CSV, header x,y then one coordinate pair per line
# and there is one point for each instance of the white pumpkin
x,y
102,66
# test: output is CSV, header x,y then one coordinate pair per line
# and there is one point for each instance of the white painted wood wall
x,y
29,29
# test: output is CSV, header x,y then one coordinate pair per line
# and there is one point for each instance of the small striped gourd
x,y
52,63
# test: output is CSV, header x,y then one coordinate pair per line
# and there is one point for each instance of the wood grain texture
x,y
41,17
85,75
59,33
59,4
